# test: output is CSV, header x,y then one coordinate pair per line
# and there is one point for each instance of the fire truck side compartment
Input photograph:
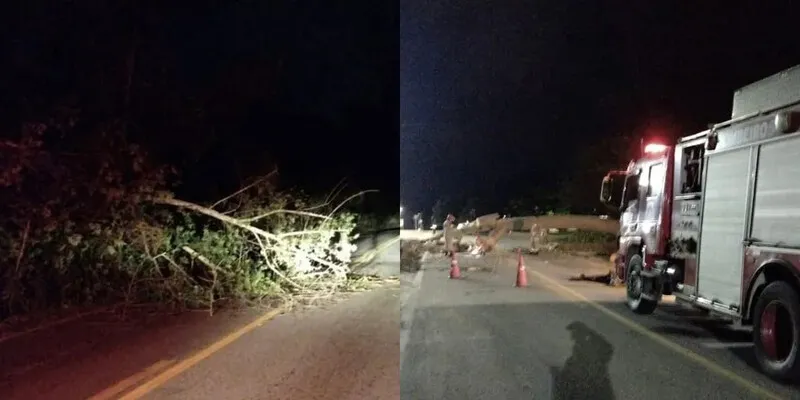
x,y
723,226
776,211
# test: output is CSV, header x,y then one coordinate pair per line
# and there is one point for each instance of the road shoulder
x,y
347,350
503,339
101,352
698,339
410,284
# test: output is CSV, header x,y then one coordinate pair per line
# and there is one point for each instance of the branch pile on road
x,y
411,252
92,224
569,233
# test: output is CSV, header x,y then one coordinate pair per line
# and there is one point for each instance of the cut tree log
x,y
580,222
500,227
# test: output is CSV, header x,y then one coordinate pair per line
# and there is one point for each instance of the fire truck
x,y
714,220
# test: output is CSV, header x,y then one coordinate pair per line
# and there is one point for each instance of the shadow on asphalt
x,y
544,350
506,351
585,373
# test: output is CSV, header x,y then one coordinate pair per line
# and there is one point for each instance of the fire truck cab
x,y
715,220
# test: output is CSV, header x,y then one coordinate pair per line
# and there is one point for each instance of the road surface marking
x,y
381,248
710,365
201,355
127,383
729,345
408,315
368,255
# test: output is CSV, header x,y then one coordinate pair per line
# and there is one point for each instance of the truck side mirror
x,y
605,189
611,189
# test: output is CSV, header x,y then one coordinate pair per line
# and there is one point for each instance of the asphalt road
x,y
482,338
368,242
345,349
381,253
474,338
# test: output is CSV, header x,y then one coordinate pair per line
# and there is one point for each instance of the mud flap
x,y
653,280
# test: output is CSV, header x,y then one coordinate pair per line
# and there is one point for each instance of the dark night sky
x,y
311,88
497,95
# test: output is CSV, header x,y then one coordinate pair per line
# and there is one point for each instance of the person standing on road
x,y
536,238
447,228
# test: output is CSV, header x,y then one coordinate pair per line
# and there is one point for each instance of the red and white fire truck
x,y
715,221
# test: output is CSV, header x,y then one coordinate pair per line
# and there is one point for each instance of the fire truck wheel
x,y
776,331
634,286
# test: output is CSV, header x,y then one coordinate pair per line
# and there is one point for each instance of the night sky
x,y
225,90
498,97
491,100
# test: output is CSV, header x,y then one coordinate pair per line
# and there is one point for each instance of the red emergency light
x,y
655,148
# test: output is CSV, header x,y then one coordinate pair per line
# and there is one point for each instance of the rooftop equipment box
x,y
772,92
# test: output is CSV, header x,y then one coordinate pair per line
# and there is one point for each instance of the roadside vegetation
x,y
600,244
94,222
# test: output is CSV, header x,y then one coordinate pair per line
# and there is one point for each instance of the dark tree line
x,y
223,92
107,106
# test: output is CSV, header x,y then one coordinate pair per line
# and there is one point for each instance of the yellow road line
x,y
377,250
710,365
127,383
388,243
366,257
201,355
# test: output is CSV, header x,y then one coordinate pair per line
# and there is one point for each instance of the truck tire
x,y
776,331
633,287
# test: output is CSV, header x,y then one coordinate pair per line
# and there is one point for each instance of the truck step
x,y
651,273
651,297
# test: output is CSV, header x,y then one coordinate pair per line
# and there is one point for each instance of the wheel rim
x,y
634,285
776,331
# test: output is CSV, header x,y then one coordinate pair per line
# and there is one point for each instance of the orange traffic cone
x,y
522,277
455,271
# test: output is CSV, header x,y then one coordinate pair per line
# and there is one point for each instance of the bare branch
x,y
24,244
244,189
273,212
351,198
258,233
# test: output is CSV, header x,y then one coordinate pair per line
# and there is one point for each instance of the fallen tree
x,y
591,223
311,270
92,223
495,228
